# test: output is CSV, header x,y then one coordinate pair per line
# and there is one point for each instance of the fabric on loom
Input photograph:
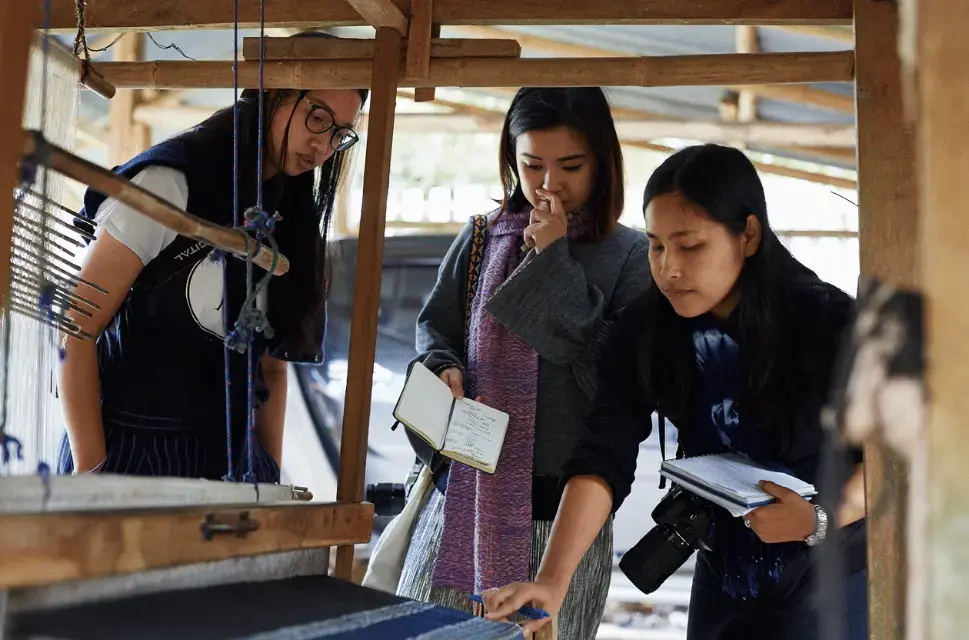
x,y
487,517
747,562
583,606
299,608
411,620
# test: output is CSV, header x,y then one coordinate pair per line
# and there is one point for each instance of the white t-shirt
x,y
147,239
138,232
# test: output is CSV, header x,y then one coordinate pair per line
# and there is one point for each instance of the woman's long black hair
x,y
584,109
306,201
724,182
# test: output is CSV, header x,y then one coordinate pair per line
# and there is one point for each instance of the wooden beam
x,y
841,34
121,109
889,250
745,37
759,133
665,71
800,94
843,103
366,291
774,169
426,94
381,13
42,549
448,228
16,39
754,133
362,48
419,40
151,15
936,49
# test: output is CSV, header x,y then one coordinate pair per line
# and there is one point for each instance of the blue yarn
x,y
43,472
251,318
7,441
46,301
230,475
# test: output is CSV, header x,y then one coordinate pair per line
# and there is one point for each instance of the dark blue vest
x,y
156,357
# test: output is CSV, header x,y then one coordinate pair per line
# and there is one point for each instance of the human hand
x,y
453,377
503,602
790,519
547,223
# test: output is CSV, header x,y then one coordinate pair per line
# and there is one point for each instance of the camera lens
x,y
655,558
388,498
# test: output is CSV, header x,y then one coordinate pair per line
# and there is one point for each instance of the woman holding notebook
x,y
735,344
555,265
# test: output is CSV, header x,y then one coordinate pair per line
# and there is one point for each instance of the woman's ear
x,y
753,233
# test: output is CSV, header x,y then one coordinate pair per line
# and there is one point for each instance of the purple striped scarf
x,y
486,541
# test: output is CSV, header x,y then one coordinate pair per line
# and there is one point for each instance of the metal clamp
x,y
240,528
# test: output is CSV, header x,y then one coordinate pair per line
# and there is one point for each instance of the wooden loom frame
x,y
886,149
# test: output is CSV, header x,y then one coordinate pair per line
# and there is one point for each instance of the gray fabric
x,y
583,606
560,302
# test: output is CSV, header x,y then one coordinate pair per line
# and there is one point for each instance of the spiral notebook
x,y
730,481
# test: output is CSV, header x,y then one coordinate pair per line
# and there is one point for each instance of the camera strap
x,y
662,447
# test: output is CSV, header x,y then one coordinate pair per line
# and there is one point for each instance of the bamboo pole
x,y
148,204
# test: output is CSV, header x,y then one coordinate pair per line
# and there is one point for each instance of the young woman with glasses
x,y
148,397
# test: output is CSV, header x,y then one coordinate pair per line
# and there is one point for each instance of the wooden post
x,y
889,247
747,42
366,290
125,134
937,41
16,37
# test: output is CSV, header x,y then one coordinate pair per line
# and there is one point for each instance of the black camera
x,y
388,498
682,526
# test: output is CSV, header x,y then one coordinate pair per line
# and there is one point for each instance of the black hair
x,y
724,183
585,110
309,200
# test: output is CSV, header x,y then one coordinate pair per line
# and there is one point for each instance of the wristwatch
x,y
821,531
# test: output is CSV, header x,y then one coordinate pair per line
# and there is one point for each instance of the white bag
x,y
387,559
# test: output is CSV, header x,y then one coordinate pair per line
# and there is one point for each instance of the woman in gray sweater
x,y
554,267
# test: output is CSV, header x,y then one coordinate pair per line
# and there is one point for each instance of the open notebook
x,y
730,481
463,430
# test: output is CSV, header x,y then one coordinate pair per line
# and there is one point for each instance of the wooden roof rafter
x,y
154,15
796,93
635,71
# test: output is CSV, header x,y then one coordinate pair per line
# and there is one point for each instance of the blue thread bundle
x,y
525,611
43,472
8,442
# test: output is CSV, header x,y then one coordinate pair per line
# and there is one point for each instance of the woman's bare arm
x,y
114,267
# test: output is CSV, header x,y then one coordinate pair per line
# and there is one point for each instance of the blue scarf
x,y
748,563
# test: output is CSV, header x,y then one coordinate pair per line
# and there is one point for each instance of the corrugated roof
x,y
700,103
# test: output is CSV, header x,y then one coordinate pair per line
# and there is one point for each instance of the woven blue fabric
x,y
405,621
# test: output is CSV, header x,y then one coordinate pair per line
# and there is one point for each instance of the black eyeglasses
x,y
319,120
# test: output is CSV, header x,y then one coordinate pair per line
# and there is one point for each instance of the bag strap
x,y
479,226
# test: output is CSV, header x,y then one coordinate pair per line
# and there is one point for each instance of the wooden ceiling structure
x,y
914,229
